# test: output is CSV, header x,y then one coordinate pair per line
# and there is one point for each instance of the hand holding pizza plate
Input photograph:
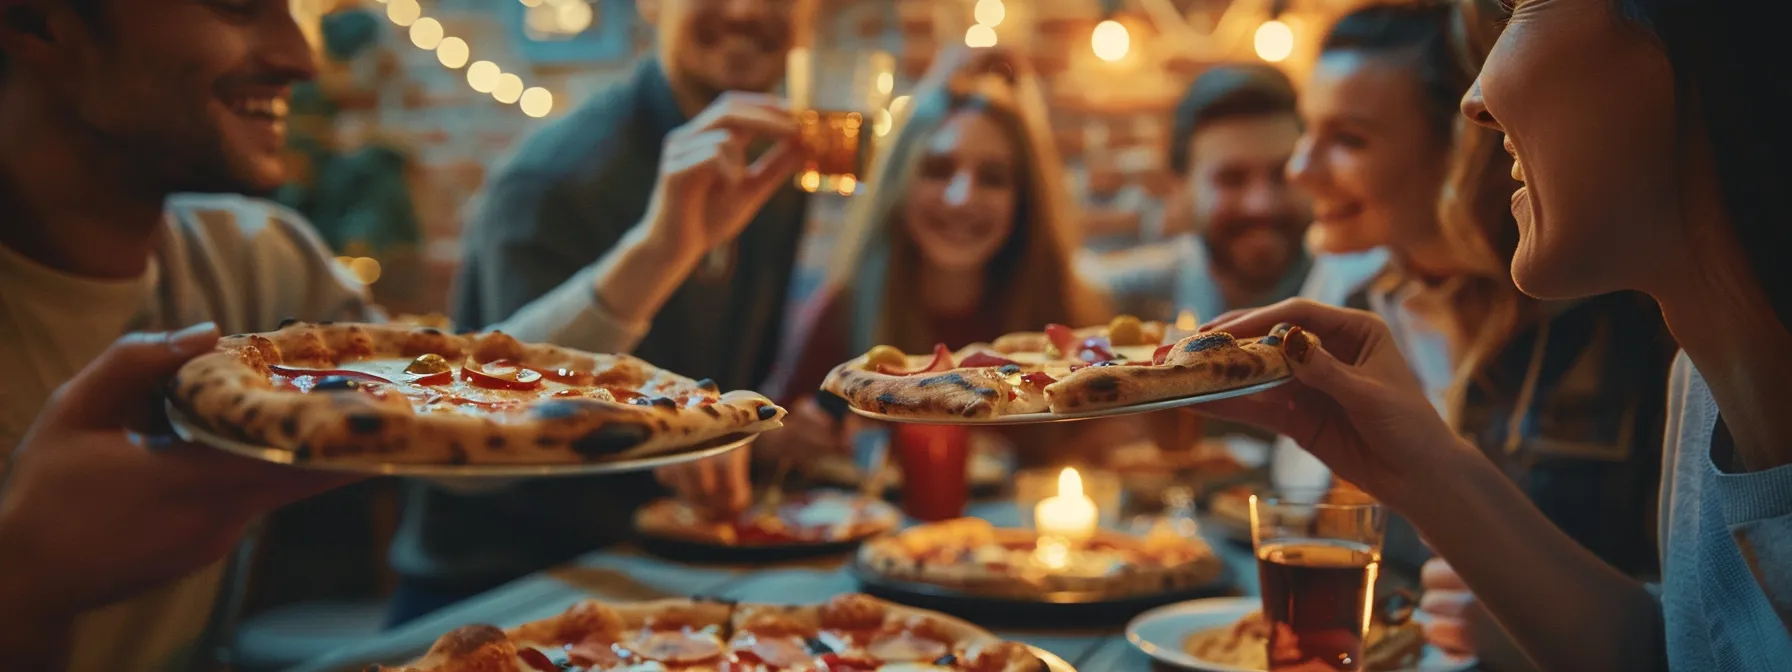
x,y
1064,374
404,400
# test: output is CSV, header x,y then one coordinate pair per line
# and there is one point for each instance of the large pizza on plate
x,y
407,394
973,556
850,633
1060,370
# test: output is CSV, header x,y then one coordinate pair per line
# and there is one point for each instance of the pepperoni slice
x,y
681,647
779,652
500,375
1096,349
942,361
1039,378
904,646
984,359
1063,338
538,660
595,651
1162,353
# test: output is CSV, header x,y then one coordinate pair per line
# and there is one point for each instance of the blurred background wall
x,y
421,98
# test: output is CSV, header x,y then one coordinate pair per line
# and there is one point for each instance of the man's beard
x,y
159,164
1270,248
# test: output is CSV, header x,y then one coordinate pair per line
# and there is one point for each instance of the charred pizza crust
x,y
1196,365
956,554
1200,364
676,519
230,392
703,633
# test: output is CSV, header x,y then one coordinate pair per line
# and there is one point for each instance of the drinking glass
x,y
935,460
841,100
1318,554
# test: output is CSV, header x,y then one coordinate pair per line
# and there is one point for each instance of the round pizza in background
x,y
819,517
973,556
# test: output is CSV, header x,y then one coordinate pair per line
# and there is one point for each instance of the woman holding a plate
x,y
1650,159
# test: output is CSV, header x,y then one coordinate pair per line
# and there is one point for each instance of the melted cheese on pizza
x,y
468,388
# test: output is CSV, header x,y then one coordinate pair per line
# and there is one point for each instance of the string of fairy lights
x,y
453,53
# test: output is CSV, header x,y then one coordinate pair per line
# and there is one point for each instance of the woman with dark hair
x,y
1647,134
1564,396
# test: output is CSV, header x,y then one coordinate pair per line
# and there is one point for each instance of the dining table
x,y
625,573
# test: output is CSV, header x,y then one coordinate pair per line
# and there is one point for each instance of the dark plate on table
x,y
695,551
1055,609
866,518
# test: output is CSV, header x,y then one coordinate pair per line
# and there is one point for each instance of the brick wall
x,y
457,135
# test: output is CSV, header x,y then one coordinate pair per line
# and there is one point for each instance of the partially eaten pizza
x,y
973,556
821,517
1060,370
406,394
850,633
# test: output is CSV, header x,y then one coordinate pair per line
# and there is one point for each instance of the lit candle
x,y
1069,515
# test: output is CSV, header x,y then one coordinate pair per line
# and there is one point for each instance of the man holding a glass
x,y
674,192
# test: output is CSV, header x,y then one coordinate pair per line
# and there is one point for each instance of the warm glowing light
x,y
811,181
483,76
1069,515
882,122
403,12
426,33
980,36
575,16
989,12
1052,552
1274,41
1110,41
453,52
1186,321
508,89
886,82
846,185
537,102
366,269
1070,483
897,104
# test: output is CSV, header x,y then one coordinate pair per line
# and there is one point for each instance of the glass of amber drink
x,y
1318,554
842,103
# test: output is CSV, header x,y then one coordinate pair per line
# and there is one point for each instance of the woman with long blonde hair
x,y
964,233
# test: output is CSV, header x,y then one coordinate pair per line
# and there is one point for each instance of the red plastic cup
x,y
934,461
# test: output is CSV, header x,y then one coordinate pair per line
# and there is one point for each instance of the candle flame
x,y
1186,321
1070,483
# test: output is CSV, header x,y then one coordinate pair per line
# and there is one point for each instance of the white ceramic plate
x,y
456,472
1159,633
1037,418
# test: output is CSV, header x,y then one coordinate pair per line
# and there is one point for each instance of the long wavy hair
x,y
1032,280
1475,219
1444,43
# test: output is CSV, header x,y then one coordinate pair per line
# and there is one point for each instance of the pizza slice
x,y
1060,370
1005,377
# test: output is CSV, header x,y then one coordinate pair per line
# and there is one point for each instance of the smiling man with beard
x,y
113,113
1234,131
707,276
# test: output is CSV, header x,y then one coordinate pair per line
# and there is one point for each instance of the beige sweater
x,y
246,265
